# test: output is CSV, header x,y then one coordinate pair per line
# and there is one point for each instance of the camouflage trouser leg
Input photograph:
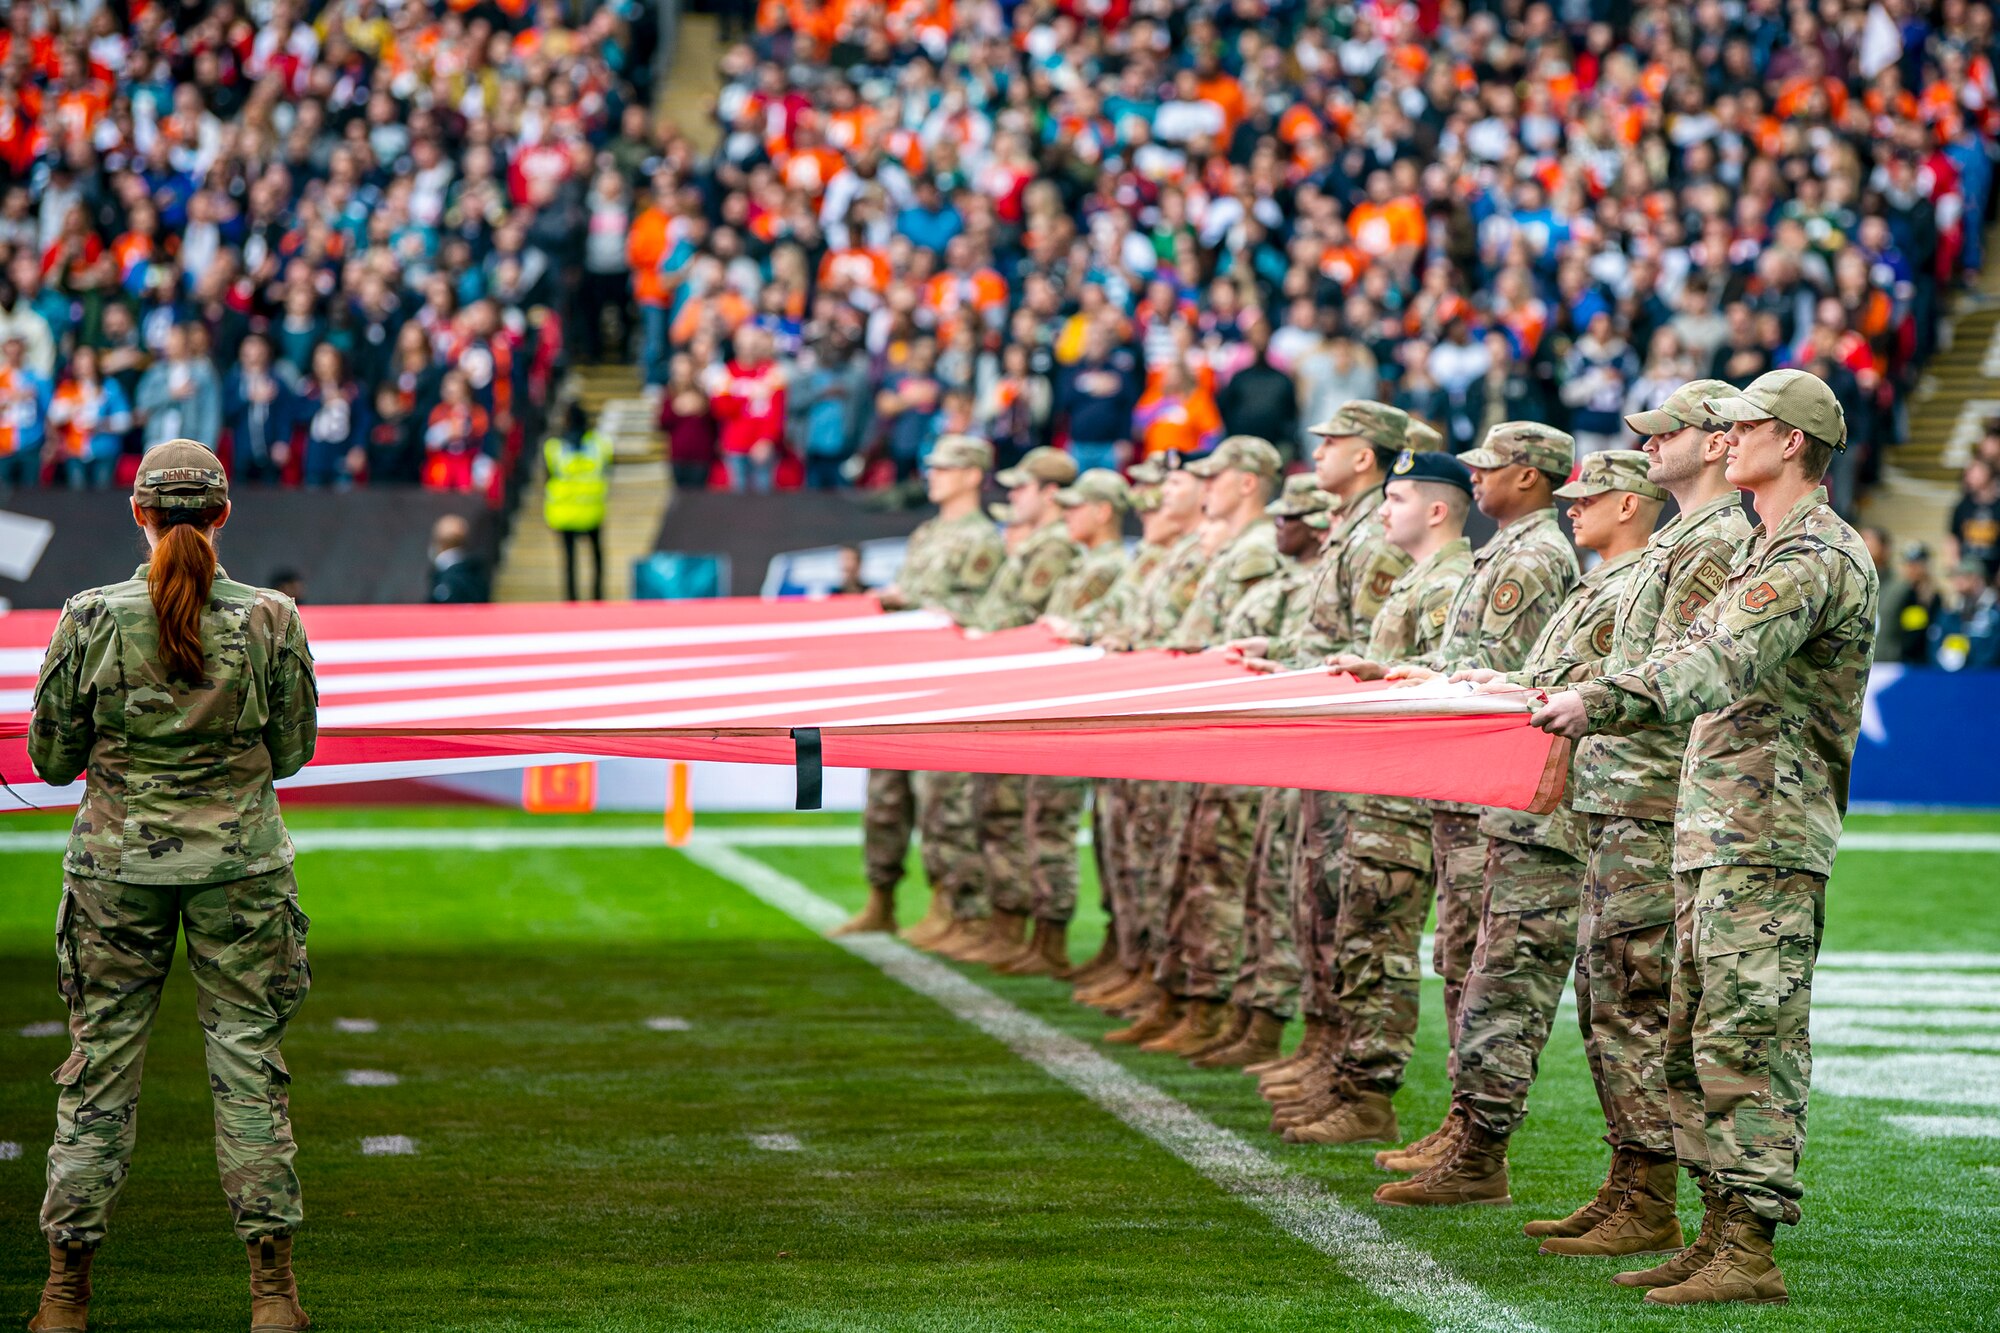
x,y
1003,840
1315,892
1055,811
948,818
1157,860
1381,914
1206,925
1527,942
1138,803
1459,849
1748,939
886,824
1624,971
1269,976
114,946
1108,815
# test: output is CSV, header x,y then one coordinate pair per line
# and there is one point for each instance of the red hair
x,y
179,577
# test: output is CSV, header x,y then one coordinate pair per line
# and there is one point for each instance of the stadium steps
x,y
1959,391
688,85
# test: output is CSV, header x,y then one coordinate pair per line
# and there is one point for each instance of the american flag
x,y
413,691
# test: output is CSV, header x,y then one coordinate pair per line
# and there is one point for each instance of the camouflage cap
x,y
1525,444
1377,423
1612,470
1147,472
1099,483
1001,512
1423,437
960,451
180,474
1041,464
1301,497
1240,453
1685,406
1798,398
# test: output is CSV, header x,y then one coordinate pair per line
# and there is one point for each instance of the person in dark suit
x,y
457,575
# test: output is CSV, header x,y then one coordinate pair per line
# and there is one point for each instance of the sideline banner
x,y
1929,737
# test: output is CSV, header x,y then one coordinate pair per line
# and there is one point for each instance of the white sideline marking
x,y
369,1078
9,1151
1908,1018
1404,1276
777,1143
1948,1080
1898,988
1836,1030
357,1027
389,1145
50,1029
668,1023
1949,1127
1920,842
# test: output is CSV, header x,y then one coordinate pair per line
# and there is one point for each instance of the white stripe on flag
x,y
468,647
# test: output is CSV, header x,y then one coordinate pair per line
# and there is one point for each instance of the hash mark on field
x,y
389,1145
1949,1080
369,1078
668,1023
1948,1126
50,1029
355,1027
10,1151
1398,1273
777,1142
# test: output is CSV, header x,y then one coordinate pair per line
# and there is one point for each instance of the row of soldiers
x,y
1712,676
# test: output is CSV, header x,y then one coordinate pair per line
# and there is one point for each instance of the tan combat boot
x,y
1310,1045
1644,1220
877,917
1117,994
1235,1020
1428,1150
967,936
1609,1195
274,1294
1102,965
1320,1095
1692,1259
1200,1021
935,921
1005,933
1257,1041
1364,1117
1165,1014
1045,955
65,1306
1476,1172
1744,1268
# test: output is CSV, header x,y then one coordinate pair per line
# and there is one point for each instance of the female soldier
x,y
182,695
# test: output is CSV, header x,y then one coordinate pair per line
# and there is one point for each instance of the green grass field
x,y
821,1147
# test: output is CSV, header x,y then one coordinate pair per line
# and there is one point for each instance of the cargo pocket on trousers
x,y
69,973
1499,948
1754,968
69,1077
280,1090
292,975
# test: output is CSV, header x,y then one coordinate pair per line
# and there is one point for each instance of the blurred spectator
x,y
289,582
1596,375
850,571
335,408
1975,520
907,409
178,397
607,296
1909,602
578,481
457,574
1013,405
89,416
455,439
1176,415
24,413
1096,399
748,399
394,449
261,411
1966,632
688,422
1261,399
826,407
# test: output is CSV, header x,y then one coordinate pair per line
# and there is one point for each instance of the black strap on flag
x,y
806,762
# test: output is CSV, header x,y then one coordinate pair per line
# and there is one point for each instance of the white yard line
x,y
1949,1127
388,1145
1400,1274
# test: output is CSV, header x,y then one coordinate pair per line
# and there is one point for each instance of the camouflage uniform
x,y
1216,834
1366,946
1017,595
1157,810
1054,806
947,567
1533,887
1518,579
1772,675
178,827
1628,784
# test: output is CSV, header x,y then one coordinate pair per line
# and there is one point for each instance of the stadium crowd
x,y
1124,228
343,240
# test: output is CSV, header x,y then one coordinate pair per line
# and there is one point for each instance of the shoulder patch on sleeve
x,y
1507,597
1380,582
1703,584
1438,613
1255,563
1600,639
1764,595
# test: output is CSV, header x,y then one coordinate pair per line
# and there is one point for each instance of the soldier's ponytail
x,y
179,577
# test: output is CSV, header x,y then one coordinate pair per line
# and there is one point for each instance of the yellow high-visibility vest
x,y
578,482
